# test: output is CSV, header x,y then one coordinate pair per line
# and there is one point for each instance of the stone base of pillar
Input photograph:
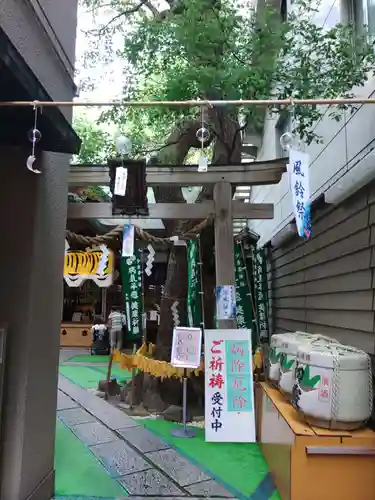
x,y
46,489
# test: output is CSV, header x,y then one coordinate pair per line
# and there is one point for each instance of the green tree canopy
x,y
97,143
214,49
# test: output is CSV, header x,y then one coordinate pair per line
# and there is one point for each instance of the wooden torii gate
x,y
222,208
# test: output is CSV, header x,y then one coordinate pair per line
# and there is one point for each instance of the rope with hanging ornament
x,y
203,136
290,140
34,136
115,235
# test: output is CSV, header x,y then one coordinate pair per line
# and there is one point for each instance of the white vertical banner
x,y
229,393
298,169
128,241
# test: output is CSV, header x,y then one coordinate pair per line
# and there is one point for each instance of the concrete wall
x,y
26,26
343,157
33,209
62,16
31,264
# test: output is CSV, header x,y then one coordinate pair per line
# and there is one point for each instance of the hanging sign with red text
x,y
186,347
229,395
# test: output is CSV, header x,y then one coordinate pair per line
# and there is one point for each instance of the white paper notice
x,y
225,302
186,347
121,181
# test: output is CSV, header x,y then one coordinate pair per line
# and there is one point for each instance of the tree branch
x,y
157,150
124,13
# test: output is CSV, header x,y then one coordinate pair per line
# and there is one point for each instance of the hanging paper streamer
x,y
132,290
128,241
150,260
194,303
244,309
225,302
175,313
299,183
261,291
121,181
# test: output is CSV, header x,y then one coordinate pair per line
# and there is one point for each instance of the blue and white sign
x,y
225,302
299,184
128,241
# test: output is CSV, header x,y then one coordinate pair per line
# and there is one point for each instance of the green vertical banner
x,y
261,291
194,301
244,310
131,279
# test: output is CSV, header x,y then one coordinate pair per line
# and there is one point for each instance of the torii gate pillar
x,y
224,247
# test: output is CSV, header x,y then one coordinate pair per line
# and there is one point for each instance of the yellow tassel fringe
x,y
162,369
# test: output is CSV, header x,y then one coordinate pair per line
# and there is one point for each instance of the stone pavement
x,y
141,462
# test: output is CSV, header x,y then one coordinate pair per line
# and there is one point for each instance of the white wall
x,y
344,148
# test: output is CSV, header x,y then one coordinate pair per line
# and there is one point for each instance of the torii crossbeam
x,y
222,208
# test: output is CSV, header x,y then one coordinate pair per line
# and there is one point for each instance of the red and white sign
x,y
229,397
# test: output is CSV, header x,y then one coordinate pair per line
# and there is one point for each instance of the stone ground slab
x,y
94,433
149,482
209,489
75,416
64,402
119,459
177,467
143,439
112,417
116,419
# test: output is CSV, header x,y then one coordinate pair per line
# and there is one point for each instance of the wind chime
x,y
34,137
203,136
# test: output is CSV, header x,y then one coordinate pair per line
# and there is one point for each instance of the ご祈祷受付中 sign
x,y
186,347
229,406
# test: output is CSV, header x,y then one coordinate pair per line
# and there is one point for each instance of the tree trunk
x,y
227,150
157,394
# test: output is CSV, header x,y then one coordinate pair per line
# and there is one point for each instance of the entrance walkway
x,y
103,454
138,462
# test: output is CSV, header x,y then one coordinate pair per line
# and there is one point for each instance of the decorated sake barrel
x,y
288,356
333,387
277,340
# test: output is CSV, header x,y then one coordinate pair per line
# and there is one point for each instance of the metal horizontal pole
x,y
202,210
190,103
243,174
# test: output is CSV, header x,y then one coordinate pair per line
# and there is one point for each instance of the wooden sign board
x,y
135,200
229,394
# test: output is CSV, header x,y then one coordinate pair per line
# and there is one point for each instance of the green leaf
x,y
307,381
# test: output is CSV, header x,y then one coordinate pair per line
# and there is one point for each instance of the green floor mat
x,y
238,465
86,358
89,376
78,472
